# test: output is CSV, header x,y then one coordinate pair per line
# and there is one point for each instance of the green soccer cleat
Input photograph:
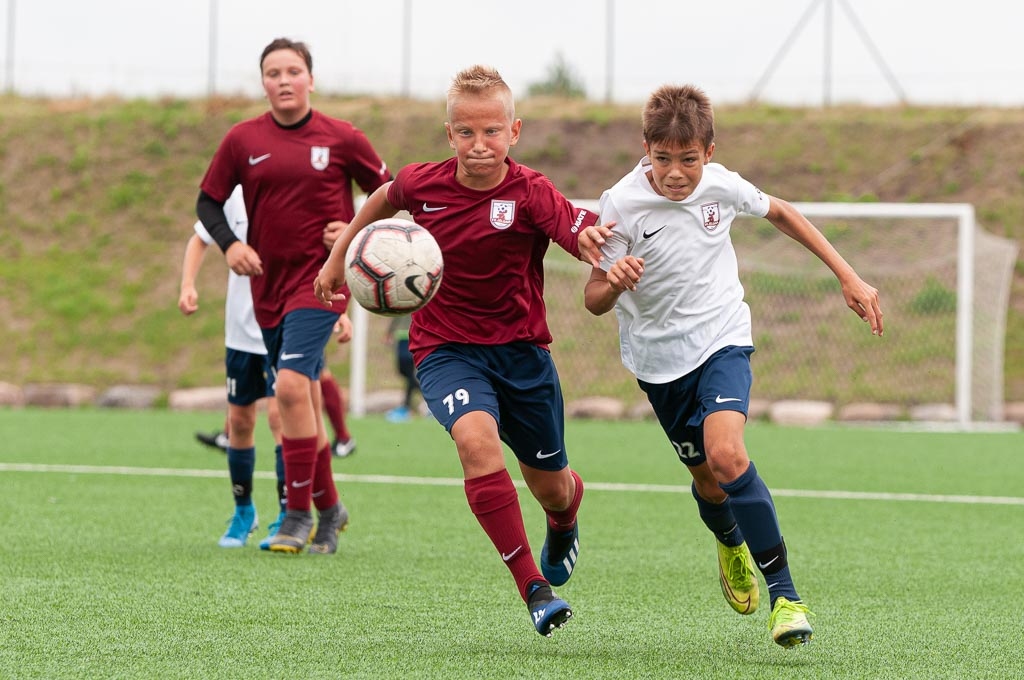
x,y
738,578
788,623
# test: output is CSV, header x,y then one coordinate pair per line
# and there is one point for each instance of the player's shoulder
x,y
528,182
427,169
339,125
717,170
632,188
517,170
718,178
250,124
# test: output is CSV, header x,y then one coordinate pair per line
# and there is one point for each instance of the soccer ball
x,y
393,267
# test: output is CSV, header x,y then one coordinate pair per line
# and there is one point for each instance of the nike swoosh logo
x,y
541,455
721,400
410,283
652,233
767,564
286,357
506,558
433,208
258,159
299,485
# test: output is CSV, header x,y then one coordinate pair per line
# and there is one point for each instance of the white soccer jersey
x,y
689,301
241,331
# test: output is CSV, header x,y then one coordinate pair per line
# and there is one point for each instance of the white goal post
x,y
944,285
963,213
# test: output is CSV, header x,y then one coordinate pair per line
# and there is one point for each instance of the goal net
x,y
944,285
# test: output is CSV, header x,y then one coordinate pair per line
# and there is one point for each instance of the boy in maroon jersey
x,y
481,345
296,167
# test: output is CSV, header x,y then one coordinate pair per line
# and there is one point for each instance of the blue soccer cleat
x,y
240,526
559,554
547,609
272,531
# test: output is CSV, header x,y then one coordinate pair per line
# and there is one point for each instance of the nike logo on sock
x,y
299,485
506,558
765,565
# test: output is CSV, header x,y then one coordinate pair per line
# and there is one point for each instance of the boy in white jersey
x,y
246,368
669,270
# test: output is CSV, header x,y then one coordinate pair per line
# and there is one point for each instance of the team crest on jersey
x,y
502,214
711,215
320,157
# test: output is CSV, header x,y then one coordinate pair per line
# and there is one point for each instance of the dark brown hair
x,y
299,48
680,115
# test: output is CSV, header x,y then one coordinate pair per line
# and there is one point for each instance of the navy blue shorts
x,y
247,376
516,383
298,342
722,383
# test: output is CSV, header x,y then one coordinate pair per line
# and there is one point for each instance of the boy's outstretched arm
x,y
332,274
861,297
591,239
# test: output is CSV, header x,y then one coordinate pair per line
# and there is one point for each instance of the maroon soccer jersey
x,y
493,244
295,180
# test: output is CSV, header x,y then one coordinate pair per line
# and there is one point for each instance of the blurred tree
x,y
562,81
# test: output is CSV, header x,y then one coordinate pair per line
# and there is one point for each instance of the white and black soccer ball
x,y
393,267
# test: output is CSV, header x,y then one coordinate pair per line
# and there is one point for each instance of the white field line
x,y
451,481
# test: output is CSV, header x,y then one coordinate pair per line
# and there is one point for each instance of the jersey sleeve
x,y
396,191
617,246
749,199
366,166
221,175
201,232
558,218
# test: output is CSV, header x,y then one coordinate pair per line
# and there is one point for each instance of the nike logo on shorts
x,y
541,455
288,357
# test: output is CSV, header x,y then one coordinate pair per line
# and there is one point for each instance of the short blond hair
x,y
481,81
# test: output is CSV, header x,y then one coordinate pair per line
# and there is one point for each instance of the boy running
x,y
669,270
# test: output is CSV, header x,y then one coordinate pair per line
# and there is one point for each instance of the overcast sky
x,y
876,51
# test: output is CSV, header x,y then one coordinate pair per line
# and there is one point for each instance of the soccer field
x,y
906,546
